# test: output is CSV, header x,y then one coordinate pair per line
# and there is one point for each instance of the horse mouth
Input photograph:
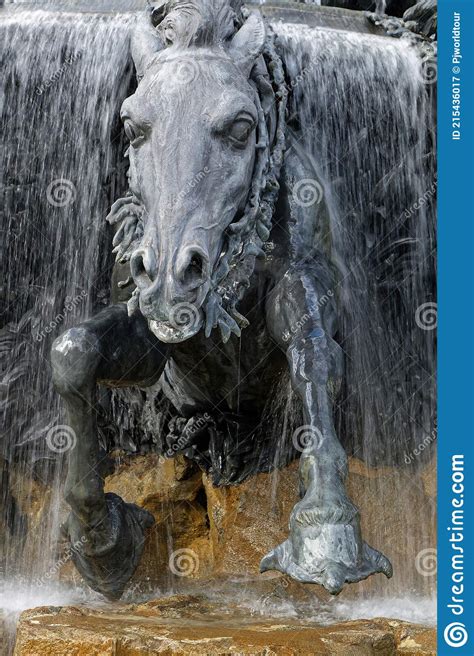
x,y
173,332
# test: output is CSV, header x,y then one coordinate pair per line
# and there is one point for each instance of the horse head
x,y
205,148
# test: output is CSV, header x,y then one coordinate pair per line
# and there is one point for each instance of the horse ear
x,y
247,44
145,43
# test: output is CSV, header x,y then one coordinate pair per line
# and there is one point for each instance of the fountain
x,y
298,321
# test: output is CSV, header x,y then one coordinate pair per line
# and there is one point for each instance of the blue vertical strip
x,y
456,327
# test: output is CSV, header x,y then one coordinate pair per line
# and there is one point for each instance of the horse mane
x,y
246,238
214,22
188,22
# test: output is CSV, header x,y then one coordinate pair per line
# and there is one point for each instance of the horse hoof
x,y
108,563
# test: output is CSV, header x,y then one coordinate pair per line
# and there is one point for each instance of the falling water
x,y
64,75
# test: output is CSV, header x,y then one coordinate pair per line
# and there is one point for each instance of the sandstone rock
x,y
32,534
226,531
429,478
398,516
3,636
151,480
187,625
171,490
249,520
222,532
205,537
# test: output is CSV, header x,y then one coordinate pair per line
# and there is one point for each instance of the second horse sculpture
x,y
232,276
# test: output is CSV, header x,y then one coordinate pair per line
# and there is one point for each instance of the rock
x,y
3,636
225,531
429,478
205,537
398,516
189,625
221,532
151,480
248,520
170,489
29,529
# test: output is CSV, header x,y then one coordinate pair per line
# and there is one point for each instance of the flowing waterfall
x,y
360,108
65,76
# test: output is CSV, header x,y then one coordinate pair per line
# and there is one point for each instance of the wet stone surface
x,y
188,625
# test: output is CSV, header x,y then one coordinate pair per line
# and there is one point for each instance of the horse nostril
x,y
194,273
142,267
197,264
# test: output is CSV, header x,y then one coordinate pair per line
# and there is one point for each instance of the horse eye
x,y
134,134
240,131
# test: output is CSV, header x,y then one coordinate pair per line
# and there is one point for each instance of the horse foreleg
x,y
105,532
325,544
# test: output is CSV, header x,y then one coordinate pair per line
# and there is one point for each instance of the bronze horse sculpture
x,y
230,269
